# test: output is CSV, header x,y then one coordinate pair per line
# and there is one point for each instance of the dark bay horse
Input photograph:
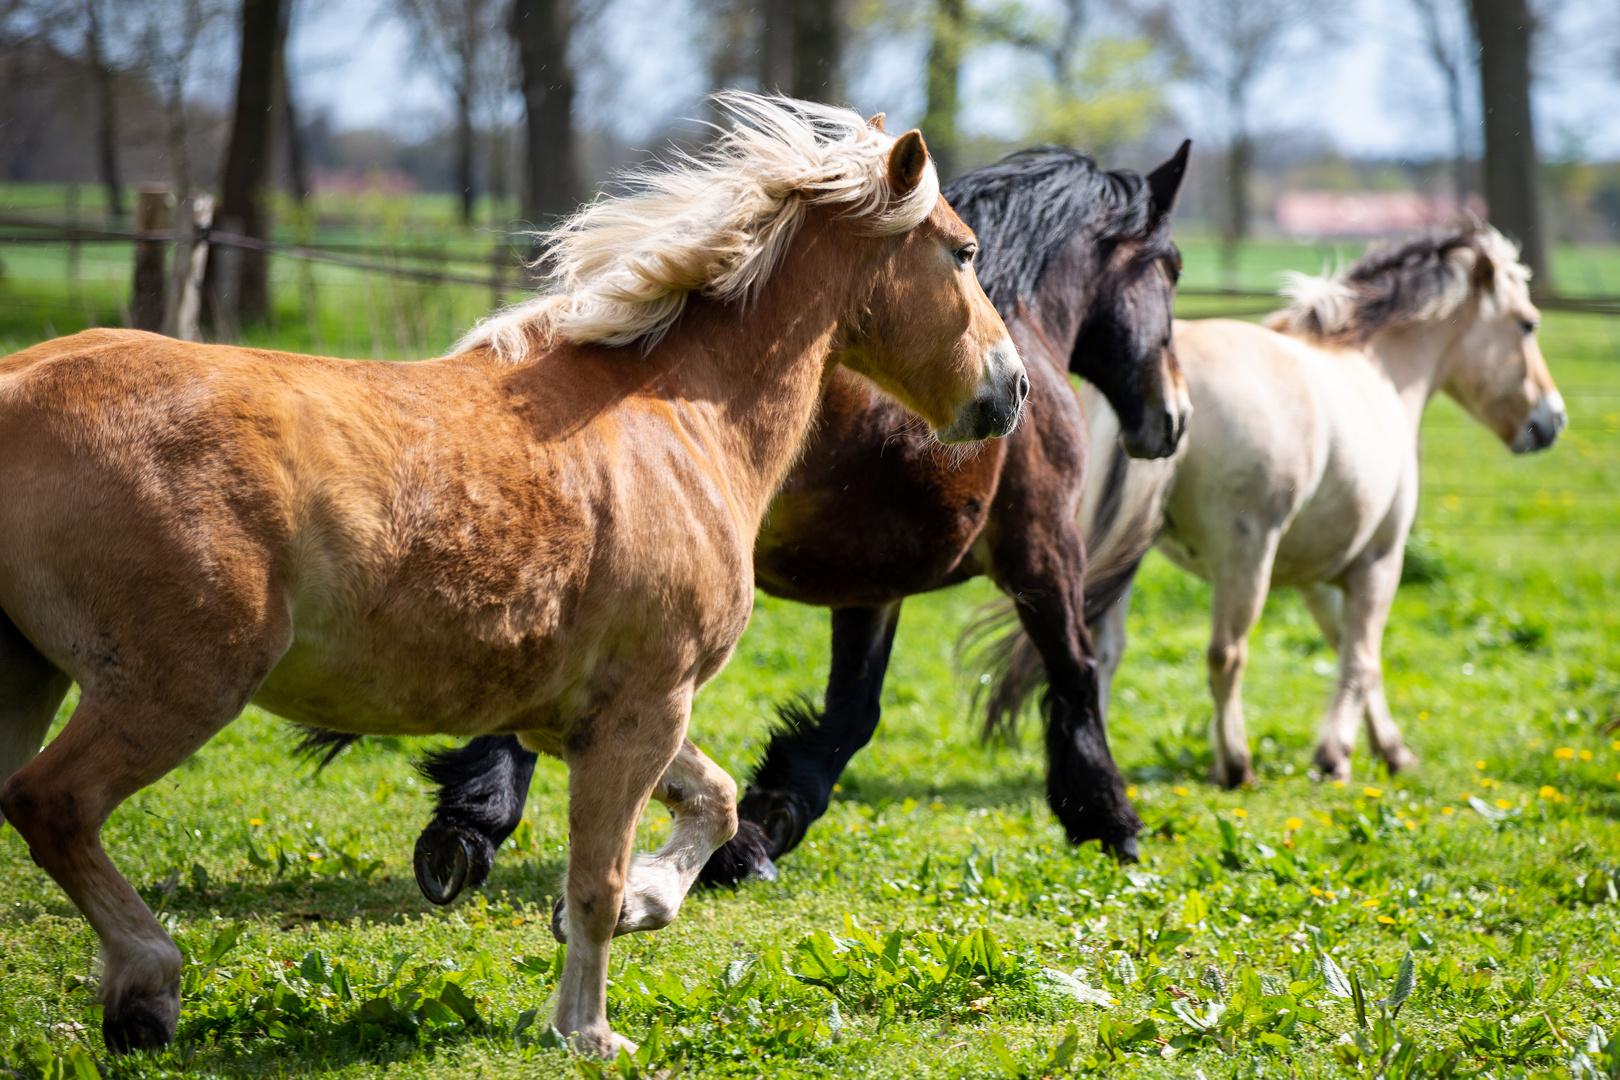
x,y
547,534
1080,263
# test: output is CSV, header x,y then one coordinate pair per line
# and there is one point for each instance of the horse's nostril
x,y
1023,387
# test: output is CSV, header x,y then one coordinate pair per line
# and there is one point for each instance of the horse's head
x,y
925,332
1124,345
1494,367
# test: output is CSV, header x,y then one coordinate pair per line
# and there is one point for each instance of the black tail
x,y
314,742
996,645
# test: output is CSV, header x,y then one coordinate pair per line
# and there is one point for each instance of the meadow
x,y
1460,919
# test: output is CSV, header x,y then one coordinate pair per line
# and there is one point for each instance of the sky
x,y
1369,92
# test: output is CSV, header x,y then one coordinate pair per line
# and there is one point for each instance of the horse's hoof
x,y
744,856
443,859
779,814
1334,764
1232,776
1399,758
141,1023
559,920
1126,850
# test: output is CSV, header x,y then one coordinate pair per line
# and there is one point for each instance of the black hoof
x,y
744,856
444,860
780,814
143,1024
1125,851
558,931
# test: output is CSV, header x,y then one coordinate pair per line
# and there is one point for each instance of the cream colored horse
x,y
1300,465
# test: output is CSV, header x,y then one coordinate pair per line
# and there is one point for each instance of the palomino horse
x,y
1080,262
1300,467
546,533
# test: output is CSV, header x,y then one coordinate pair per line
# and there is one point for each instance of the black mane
x,y
1030,205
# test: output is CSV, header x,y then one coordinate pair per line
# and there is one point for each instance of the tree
x,y
1227,45
459,38
169,36
817,50
101,71
1449,40
247,162
1504,29
949,41
541,30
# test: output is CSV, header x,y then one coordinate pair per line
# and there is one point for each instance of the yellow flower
x,y
1239,812
1586,755
1423,716
1447,811
1563,753
1372,792
1179,790
1503,804
1369,903
1547,792
1479,764
1338,783
1130,792
1615,745
255,822
1293,824
1386,920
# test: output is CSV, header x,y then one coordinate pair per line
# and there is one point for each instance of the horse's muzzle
x,y
1547,421
999,404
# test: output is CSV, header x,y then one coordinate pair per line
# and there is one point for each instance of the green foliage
x,y
1111,94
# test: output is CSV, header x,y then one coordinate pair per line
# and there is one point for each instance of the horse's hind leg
x,y
1369,590
794,783
31,690
613,770
482,788
1241,581
111,748
1108,633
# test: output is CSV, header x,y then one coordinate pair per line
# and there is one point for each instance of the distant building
x,y
1311,214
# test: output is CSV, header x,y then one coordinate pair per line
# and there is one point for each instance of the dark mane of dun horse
x,y
1080,263
548,532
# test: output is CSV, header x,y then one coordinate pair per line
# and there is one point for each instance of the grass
x,y
935,923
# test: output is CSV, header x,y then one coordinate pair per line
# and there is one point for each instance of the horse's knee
x,y
52,819
1225,658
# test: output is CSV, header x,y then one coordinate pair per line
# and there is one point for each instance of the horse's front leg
x,y
1369,590
613,769
794,783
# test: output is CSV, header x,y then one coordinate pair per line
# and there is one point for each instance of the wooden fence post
x,y
151,216
190,260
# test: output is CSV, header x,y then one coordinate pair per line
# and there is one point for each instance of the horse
x,y
1300,466
1080,263
547,532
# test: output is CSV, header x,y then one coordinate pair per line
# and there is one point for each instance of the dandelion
x,y
255,822
1423,716
1372,792
1586,755
1339,784
1479,764
1239,812
1547,792
1386,920
1369,903
1130,792
1447,811
1294,824
1563,753
1615,745
1179,790
1503,804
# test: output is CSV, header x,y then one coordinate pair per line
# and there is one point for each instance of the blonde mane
x,y
1418,281
715,222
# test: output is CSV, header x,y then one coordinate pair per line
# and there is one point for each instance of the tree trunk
x,y
817,45
248,158
1504,28
776,46
464,151
944,71
541,29
1235,219
107,128
298,185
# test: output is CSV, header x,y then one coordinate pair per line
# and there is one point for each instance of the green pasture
x,y
1461,919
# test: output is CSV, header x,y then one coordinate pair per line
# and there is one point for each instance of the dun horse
x,y
547,533
1080,262
1300,468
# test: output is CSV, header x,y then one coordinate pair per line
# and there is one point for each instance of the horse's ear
x,y
907,161
1164,183
876,123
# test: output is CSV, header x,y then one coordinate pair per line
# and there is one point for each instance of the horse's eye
x,y
965,253
1529,326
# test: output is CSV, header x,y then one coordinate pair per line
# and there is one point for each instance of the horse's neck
x,y
1412,358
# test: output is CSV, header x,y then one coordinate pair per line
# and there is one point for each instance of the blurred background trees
x,y
518,109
